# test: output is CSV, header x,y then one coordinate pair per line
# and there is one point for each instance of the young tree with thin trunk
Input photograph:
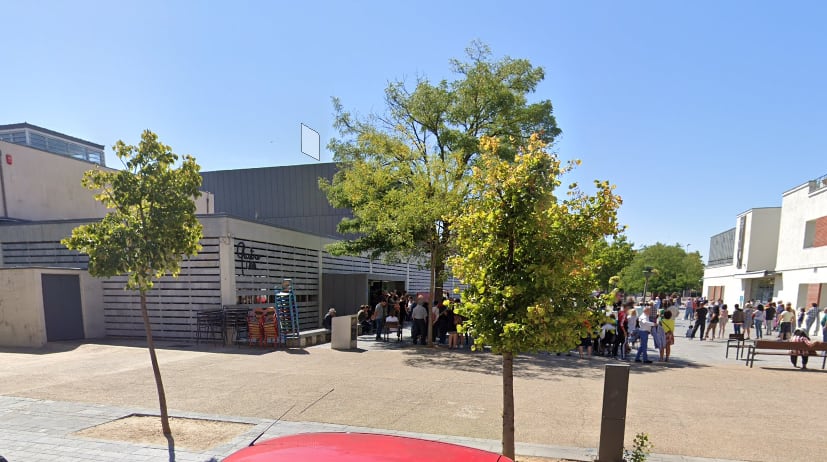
x,y
402,172
524,252
151,225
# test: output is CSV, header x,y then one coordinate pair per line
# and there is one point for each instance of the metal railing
x,y
818,183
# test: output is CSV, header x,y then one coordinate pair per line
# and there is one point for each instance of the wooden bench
x,y
783,348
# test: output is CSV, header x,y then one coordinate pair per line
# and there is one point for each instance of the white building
x,y
775,253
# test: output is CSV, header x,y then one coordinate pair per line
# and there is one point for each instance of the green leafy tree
x,y
524,252
403,172
610,259
150,227
675,270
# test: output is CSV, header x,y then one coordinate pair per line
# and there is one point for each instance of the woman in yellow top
x,y
785,322
667,322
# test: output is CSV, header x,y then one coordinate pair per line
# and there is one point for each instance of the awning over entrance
x,y
757,274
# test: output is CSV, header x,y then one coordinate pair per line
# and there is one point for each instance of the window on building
x,y
38,141
815,233
721,248
715,293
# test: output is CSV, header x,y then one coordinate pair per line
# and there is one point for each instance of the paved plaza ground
x,y
698,405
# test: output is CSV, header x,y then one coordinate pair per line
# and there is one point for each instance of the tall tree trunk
x,y
508,404
433,298
162,397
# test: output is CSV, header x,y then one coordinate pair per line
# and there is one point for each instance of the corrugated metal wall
x,y
722,248
286,196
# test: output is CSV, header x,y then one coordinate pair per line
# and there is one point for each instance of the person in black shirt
x,y
700,320
715,313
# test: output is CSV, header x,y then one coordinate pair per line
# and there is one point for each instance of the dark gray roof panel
x,y
286,196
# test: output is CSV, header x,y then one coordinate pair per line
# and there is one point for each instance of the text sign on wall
x,y
246,257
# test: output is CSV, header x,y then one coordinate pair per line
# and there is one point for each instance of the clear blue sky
x,y
697,110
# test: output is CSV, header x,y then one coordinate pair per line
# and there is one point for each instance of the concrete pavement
x,y
699,405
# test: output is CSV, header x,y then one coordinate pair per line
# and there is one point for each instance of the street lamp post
x,y
647,273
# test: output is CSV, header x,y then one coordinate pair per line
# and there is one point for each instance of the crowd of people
x,y
403,308
753,320
627,327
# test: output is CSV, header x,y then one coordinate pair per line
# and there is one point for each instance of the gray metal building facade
x,y
288,197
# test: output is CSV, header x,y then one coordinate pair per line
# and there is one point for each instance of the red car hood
x,y
361,447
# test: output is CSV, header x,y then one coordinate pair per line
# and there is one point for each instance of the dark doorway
x,y
62,307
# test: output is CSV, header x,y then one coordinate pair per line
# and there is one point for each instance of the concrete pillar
x,y
226,255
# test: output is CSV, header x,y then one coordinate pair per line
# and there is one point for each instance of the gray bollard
x,y
613,423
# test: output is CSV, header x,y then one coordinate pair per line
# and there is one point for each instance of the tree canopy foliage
x,y
150,227
523,249
402,172
609,260
674,270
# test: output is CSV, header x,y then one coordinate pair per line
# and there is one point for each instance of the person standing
x,y
379,314
631,326
700,320
748,322
785,322
689,312
810,318
643,331
327,322
667,323
714,317
737,319
759,317
770,312
622,333
419,314
824,327
723,319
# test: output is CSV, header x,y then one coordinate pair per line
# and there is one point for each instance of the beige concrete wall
x,y
798,206
91,296
22,321
40,185
44,186
22,318
763,239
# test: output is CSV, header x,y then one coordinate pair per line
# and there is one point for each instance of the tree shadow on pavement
x,y
544,366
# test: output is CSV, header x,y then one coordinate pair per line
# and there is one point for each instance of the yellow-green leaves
x,y
152,223
524,253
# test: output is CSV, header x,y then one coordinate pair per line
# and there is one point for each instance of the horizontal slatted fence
x,y
172,303
264,265
42,253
